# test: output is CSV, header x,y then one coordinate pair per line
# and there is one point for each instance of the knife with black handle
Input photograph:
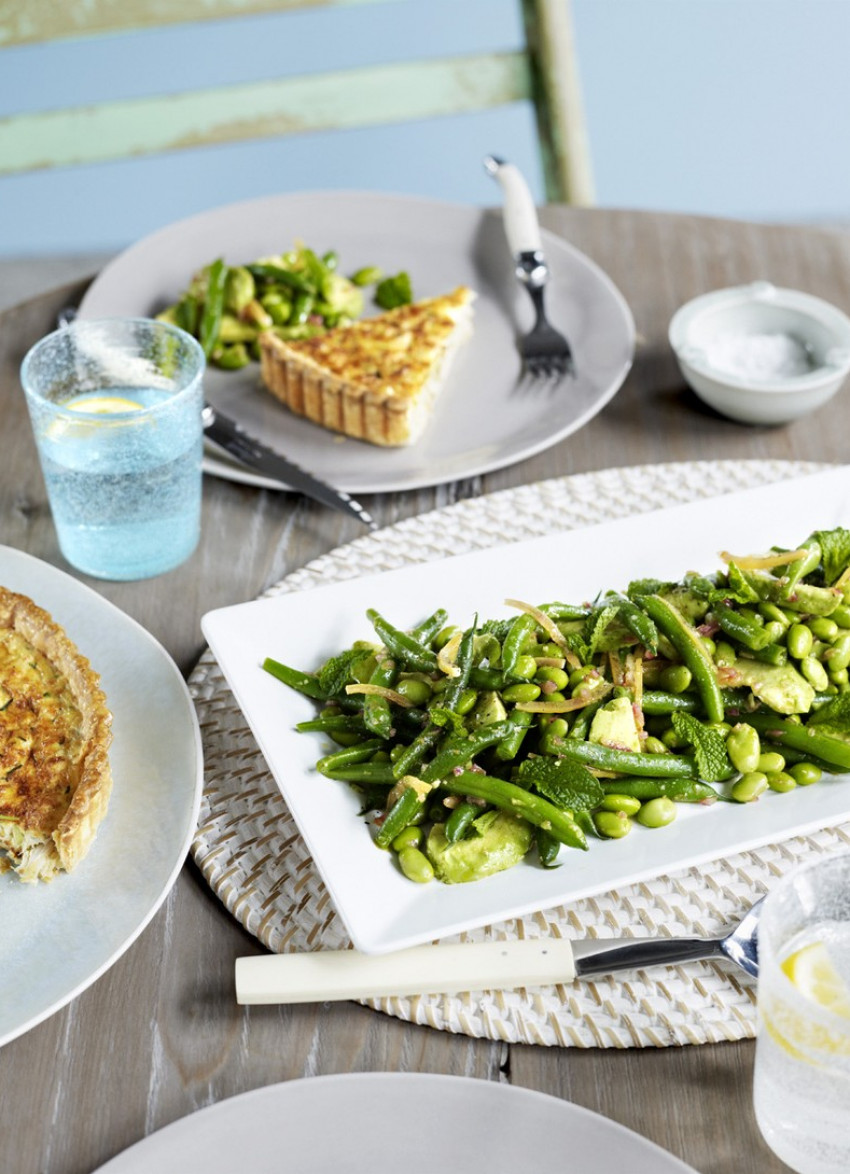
x,y
238,443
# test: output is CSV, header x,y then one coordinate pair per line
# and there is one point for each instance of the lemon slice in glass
x,y
812,972
102,405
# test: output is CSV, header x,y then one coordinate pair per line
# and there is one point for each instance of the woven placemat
x,y
252,855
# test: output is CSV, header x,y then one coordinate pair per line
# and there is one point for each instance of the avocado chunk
x,y
779,686
497,840
488,709
614,725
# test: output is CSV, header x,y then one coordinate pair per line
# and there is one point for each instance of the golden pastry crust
x,y
55,732
376,379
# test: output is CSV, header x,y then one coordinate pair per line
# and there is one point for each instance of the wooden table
x,y
160,1034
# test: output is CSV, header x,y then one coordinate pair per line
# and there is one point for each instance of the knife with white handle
x,y
324,975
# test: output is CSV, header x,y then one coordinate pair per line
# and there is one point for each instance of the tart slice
x,y
376,379
55,731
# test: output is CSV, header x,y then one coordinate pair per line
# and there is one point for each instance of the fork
x,y
545,352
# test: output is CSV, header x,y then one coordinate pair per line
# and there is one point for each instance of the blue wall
x,y
723,107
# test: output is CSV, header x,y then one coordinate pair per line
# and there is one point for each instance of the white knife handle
x,y
422,970
520,216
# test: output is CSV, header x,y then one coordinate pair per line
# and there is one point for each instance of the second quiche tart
x,y
55,732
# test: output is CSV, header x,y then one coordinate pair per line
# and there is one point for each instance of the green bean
x,y
509,746
681,789
349,723
686,641
428,628
628,762
306,683
402,813
376,708
548,848
359,752
460,821
363,772
805,738
510,797
213,306
656,701
513,644
460,749
741,627
403,647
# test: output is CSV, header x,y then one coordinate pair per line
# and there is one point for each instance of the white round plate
x,y
58,938
483,420
366,1122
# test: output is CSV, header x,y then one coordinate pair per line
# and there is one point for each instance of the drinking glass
x,y
802,1066
116,407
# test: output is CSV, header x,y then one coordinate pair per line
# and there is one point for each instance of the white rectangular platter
x,y
383,911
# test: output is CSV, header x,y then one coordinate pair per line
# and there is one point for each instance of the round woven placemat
x,y
252,855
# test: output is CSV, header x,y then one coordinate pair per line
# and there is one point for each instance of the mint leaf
x,y
834,714
569,785
738,589
441,716
335,673
598,625
835,552
708,746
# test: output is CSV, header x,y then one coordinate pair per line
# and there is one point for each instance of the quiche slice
x,y
55,731
376,379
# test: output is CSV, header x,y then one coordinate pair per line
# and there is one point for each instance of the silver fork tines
x,y
545,352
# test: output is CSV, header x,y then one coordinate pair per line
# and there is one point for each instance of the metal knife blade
x,y
238,443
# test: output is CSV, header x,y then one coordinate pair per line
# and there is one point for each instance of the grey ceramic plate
x,y
59,937
481,421
475,1125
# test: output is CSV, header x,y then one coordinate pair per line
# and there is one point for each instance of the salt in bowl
x,y
760,354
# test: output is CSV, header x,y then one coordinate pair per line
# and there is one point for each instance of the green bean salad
x,y
474,748
296,294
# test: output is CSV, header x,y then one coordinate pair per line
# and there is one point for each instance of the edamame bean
x,y
823,628
521,691
613,825
414,689
657,813
771,612
743,746
805,773
525,667
415,865
838,656
799,641
724,654
466,701
671,739
749,787
411,837
709,645
676,678
771,761
558,677
625,803
780,780
775,630
814,672
841,615
655,746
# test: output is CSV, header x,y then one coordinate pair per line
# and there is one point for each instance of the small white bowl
x,y
760,354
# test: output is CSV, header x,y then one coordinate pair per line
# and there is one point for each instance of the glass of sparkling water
x,y
802,1066
116,407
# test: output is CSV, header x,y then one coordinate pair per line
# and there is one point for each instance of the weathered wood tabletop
x,y
160,1034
